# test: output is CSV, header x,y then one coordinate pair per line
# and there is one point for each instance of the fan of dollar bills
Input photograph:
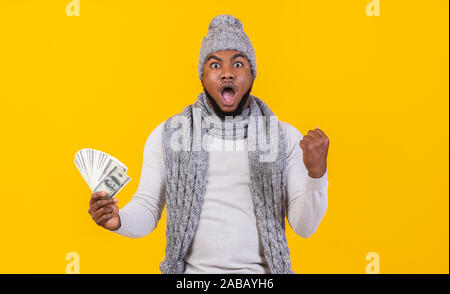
x,y
101,171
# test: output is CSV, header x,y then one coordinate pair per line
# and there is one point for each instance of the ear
x,y
251,72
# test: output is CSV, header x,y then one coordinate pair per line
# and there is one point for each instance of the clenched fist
x,y
315,150
104,212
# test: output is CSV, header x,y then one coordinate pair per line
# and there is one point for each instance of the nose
x,y
227,75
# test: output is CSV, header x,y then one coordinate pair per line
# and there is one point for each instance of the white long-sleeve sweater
x,y
227,238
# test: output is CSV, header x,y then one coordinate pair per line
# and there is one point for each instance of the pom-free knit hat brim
x,y
225,32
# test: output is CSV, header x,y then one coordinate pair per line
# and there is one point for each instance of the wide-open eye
x,y
215,65
238,64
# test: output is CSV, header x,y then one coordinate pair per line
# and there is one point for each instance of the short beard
x,y
222,114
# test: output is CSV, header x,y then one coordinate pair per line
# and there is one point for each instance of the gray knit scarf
x,y
186,163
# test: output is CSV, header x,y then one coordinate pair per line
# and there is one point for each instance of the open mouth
x,y
228,94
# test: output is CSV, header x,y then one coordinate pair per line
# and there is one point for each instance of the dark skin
x,y
229,66
104,212
226,67
223,68
315,151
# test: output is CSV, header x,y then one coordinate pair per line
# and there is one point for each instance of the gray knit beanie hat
x,y
226,32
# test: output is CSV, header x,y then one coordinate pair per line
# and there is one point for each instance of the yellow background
x,y
377,86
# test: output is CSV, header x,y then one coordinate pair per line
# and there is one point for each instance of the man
x,y
227,198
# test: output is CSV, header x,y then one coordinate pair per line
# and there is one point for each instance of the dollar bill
x,y
113,182
109,167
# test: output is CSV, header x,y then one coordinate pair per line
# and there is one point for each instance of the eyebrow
x,y
220,59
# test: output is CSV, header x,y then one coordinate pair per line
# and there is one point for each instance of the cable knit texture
x,y
187,177
225,32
